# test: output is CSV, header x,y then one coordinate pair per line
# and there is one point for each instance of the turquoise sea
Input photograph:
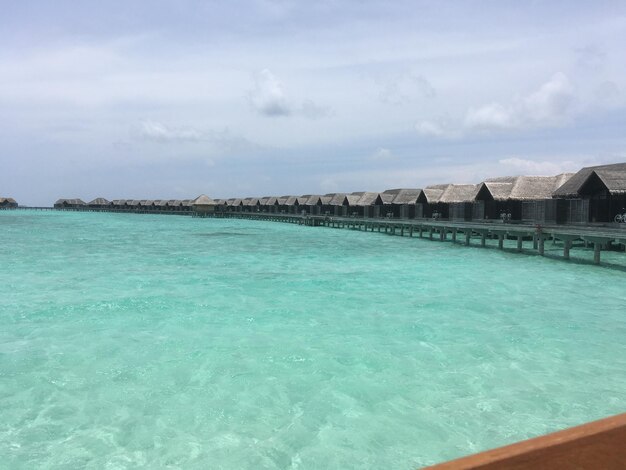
x,y
132,341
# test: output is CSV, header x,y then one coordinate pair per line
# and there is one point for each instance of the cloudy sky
x,y
170,99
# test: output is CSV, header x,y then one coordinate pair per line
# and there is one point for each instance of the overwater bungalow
x,y
404,201
457,200
432,207
204,205
293,203
133,204
518,198
8,203
271,204
336,204
313,204
252,204
282,204
369,204
69,204
159,205
98,203
186,205
118,204
263,204
235,205
595,193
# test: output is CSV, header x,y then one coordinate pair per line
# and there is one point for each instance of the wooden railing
x,y
597,445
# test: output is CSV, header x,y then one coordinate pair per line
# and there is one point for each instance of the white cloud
x,y
430,129
152,130
491,116
268,97
382,154
549,105
216,141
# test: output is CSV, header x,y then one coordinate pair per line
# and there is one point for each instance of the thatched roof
x,y
520,188
433,193
99,201
368,199
7,200
70,202
186,202
405,196
253,201
204,200
458,193
296,200
235,202
281,200
314,200
352,199
271,201
337,199
613,177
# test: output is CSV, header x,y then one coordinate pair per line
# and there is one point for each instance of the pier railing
x,y
598,237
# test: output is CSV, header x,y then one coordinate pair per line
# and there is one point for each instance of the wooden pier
x,y
528,237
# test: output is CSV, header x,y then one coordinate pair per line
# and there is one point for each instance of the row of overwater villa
x,y
592,195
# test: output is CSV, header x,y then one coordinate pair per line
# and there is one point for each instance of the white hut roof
x,y
433,193
406,196
368,198
313,200
99,201
522,188
204,200
458,193
613,177
336,199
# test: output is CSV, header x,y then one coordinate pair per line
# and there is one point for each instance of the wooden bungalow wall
x,y
460,211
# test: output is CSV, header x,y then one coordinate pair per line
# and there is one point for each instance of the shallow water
x,y
163,341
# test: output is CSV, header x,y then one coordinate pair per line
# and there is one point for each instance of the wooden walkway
x,y
469,233
601,238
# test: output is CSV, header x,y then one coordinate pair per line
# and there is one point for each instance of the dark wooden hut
x,y
70,204
595,193
8,203
432,207
313,204
98,203
404,202
457,201
369,205
282,206
235,205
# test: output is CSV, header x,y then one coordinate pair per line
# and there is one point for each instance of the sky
x,y
171,99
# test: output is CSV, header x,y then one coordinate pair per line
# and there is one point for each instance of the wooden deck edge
x,y
596,445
